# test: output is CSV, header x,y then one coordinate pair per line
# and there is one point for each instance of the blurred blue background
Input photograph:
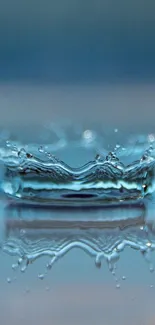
x,y
74,40
79,60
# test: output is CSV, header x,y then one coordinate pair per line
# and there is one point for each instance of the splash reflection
x,y
101,233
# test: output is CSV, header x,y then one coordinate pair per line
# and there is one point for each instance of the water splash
x,y
34,175
78,175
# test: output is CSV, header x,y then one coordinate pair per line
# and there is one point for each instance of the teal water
x,y
35,174
85,262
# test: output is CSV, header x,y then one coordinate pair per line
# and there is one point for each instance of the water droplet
x,y
14,266
11,145
41,276
151,137
117,147
47,288
41,149
123,277
23,268
20,260
151,286
8,144
98,158
22,153
22,232
115,130
151,268
118,286
48,154
98,263
49,266
120,247
8,280
112,157
148,244
88,136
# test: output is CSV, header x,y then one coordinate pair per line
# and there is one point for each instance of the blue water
x,y
92,260
32,173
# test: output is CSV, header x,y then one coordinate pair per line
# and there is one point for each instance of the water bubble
x,y
88,136
123,277
151,286
151,137
8,280
41,276
116,130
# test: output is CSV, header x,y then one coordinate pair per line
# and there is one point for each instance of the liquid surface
x,y
49,251
34,174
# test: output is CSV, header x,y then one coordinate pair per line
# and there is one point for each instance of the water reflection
x,y
31,233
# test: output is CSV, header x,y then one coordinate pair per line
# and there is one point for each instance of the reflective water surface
x,y
78,266
81,265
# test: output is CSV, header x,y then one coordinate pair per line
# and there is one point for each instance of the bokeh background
x,y
80,59
77,41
